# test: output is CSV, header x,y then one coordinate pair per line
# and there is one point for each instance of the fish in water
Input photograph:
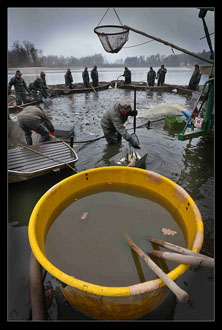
x,y
130,159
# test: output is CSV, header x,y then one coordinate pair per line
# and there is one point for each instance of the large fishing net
x,y
112,37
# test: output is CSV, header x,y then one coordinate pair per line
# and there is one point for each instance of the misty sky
x,y
69,31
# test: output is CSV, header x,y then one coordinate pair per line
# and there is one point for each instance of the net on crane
x,y
112,37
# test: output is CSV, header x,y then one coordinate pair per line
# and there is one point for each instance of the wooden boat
x,y
167,88
26,162
13,108
206,69
142,85
125,302
61,89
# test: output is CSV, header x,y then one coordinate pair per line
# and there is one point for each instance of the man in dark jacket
x,y
42,76
85,77
161,73
151,75
95,76
33,118
43,84
20,88
113,120
127,75
68,78
195,78
35,87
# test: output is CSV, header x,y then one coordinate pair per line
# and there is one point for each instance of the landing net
x,y
112,37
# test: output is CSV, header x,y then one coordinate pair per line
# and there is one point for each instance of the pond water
x,y
188,163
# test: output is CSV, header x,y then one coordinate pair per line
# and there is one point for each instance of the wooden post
x,y
92,87
36,290
160,262
181,295
168,44
183,259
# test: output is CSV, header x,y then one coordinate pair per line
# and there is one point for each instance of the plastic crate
x,y
174,122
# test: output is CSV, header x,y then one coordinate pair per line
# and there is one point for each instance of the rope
x,y
46,156
139,44
103,16
116,16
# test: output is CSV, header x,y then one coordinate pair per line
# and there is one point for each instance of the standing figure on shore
x,y
20,88
127,75
151,75
195,78
161,73
95,76
68,78
85,77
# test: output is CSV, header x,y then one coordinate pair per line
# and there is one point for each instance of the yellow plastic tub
x,y
113,303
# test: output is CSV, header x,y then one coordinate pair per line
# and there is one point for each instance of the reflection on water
x,y
190,164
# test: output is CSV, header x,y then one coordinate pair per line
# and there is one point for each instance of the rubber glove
x,y
133,113
133,143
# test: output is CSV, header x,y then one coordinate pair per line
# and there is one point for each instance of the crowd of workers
x,y
112,122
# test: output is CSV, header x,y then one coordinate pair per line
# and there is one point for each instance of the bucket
x,y
113,303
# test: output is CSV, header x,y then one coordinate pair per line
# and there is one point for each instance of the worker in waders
x,y
127,75
43,84
113,120
161,73
85,77
34,118
20,88
151,75
68,78
35,87
95,76
195,78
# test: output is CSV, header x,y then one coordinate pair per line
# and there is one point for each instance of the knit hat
x,y
125,104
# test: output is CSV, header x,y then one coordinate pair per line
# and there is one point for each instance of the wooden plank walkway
x,y
40,158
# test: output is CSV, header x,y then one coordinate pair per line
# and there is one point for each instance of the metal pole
x,y
208,119
169,44
134,121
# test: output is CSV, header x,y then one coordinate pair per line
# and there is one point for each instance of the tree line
x,y
26,54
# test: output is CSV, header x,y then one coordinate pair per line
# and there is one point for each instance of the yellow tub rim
x,y
135,289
